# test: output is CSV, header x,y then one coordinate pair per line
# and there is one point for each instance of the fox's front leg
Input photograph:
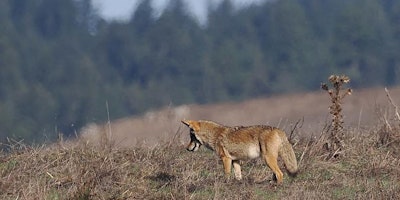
x,y
237,170
227,166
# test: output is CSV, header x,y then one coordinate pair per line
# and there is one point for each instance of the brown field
x,y
363,109
144,157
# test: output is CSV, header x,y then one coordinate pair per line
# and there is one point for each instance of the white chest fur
x,y
253,151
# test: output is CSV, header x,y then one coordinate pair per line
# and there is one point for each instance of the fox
x,y
238,143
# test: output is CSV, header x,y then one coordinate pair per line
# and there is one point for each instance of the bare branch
x,y
394,105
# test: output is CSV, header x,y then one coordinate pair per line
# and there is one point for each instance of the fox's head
x,y
195,141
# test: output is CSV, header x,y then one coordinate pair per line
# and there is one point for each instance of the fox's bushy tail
x,y
287,154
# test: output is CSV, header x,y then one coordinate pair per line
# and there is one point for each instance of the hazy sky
x,y
122,9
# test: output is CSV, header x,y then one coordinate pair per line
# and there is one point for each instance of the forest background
x,y
63,66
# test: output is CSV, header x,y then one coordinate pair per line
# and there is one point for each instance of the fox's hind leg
x,y
270,143
272,162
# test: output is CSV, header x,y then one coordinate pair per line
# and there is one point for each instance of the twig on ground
x,y
294,128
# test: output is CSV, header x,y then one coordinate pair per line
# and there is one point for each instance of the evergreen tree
x,y
361,44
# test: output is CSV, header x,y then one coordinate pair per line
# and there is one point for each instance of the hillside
x,y
363,109
126,168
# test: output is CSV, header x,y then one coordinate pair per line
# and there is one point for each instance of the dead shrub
x,y
335,142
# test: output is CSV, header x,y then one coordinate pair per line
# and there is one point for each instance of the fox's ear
x,y
195,125
186,122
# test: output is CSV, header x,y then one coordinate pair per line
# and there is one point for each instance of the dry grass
x,y
75,170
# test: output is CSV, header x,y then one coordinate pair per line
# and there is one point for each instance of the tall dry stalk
x,y
389,134
335,140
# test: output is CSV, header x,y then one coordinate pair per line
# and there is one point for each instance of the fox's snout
x,y
193,146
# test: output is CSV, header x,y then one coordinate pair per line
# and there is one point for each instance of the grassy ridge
x,y
369,169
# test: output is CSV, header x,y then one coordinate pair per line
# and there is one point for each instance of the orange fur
x,y
233,144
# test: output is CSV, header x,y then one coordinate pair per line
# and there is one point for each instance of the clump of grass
x,y
389,133
335,143
73,171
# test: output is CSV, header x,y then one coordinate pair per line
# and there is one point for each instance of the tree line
x,y
61,62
